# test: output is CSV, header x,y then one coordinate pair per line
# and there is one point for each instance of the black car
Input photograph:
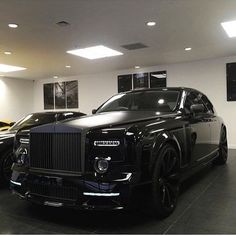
x,y
27,122
153,136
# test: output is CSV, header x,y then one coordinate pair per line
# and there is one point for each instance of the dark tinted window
x,y
194,98
68,115
163,101
34,120
208,104
2,124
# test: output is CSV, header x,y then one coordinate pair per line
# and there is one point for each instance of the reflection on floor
x,y
206,205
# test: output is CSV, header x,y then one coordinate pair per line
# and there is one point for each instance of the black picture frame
x,y
72,100
158,79
140,80
124,83
231,81
48,95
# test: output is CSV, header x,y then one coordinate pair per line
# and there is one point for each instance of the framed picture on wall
x,y
124,83
48,94
72,94
158,79
231,81
140,80
60,95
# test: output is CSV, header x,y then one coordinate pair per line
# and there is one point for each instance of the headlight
x,y
101,164
21,155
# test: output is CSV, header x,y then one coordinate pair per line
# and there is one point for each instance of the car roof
x,y
162,89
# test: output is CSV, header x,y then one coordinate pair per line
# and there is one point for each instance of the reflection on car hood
x,y
115,118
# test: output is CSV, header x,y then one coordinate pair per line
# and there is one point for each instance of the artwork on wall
x,y
124,83
140,80
231,81
72,94
158,79
48,94
61,95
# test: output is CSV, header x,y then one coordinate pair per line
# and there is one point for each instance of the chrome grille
x,y
56,151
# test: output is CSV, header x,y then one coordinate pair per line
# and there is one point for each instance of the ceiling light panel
x,y
9,68
188,49
230,28
95,52
151,23
13,25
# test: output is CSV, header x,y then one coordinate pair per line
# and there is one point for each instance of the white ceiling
x,y
40,45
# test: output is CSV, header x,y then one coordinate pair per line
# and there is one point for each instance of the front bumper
x,y
87,191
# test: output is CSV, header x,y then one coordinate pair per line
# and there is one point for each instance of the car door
x,y
200,129
215,125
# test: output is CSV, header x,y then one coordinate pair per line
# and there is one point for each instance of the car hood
x,y
109,119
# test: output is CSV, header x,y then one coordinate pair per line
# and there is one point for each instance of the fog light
x,y
101,165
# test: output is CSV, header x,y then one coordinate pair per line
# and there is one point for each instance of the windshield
x,y
159,100
33,120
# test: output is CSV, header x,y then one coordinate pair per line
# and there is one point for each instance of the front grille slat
x,y
56,151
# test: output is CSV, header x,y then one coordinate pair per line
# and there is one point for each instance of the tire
x,y
223,149
5,167
165,183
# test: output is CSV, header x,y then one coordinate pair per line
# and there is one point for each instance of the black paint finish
x,y
141,135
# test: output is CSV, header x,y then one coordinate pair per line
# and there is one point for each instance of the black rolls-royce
x,y
151,136
24,125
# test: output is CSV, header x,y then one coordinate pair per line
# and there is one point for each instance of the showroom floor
x,y
206,205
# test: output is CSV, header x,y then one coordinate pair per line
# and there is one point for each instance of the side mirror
x,y
94,111
11,124
197,108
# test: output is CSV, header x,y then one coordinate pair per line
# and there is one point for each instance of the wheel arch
x,y
161,140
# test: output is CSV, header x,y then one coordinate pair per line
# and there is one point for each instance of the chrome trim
x,y
24,141
101,194
16,183
53,204
107,143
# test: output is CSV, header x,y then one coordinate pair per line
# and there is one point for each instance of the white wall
x,y
16,98
209,76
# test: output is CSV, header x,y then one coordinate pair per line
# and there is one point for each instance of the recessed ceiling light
x,y
7,53
68,66
137,67
151,23
55,77
9,68
230,28
13,25
95,52
188,49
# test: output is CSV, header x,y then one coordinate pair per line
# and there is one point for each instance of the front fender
x,y
160,140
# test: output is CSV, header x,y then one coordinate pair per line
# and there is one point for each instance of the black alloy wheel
x,y
165,187
6,162
223,148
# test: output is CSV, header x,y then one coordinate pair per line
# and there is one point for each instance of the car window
x,y
163,101
34,120
66,115
194,98
2,124
208,104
